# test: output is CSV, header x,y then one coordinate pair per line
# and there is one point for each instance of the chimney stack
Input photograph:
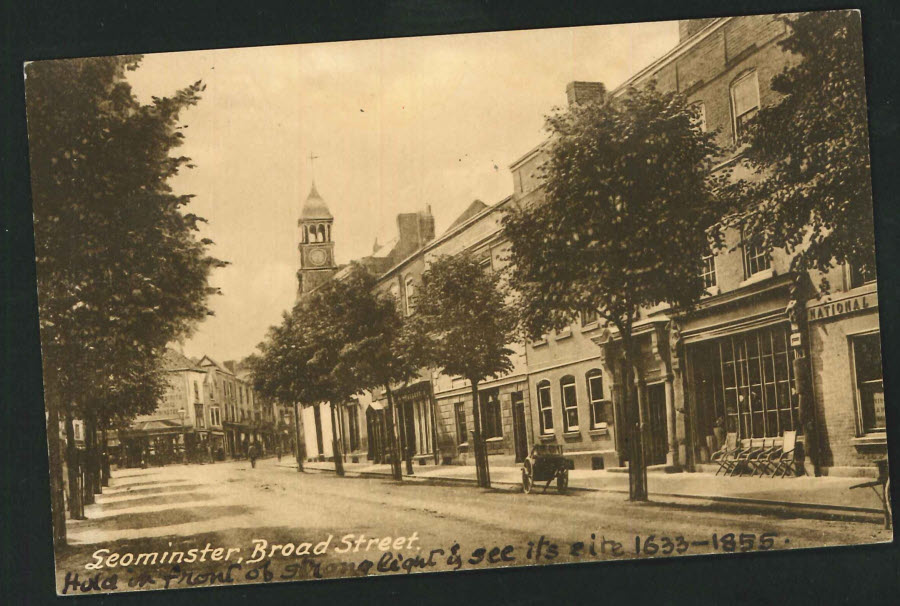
x,y
584,92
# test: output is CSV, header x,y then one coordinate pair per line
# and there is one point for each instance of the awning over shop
x,y
154,427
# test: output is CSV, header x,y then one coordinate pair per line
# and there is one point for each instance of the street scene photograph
x,y
458,302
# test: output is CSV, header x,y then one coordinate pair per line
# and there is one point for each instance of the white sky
x,y
397,124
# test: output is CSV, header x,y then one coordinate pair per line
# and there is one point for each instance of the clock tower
x,y
316,246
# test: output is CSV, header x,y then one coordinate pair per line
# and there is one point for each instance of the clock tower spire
x,y
316,246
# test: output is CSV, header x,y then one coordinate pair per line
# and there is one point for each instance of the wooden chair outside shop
x,y
726,456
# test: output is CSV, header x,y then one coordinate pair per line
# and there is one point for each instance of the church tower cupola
x,y
316,246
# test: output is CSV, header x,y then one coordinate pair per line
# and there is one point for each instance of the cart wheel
x,y
527,481
562,481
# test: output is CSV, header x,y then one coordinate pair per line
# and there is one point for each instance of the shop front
x,y
415,411
742,354
847,377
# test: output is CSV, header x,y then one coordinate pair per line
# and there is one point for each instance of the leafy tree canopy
x,y
628,213
462,323
812,148
121,271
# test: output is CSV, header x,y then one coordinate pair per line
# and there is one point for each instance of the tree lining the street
x,y
121,269
463,326
340,340
811,150
630,209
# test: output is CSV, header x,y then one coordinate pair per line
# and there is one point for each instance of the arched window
x,y
410,296
597,399
569,403
545,407
320,235
328,233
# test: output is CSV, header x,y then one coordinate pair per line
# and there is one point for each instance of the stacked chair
x,y
771,457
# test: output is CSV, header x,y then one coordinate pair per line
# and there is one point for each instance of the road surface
x,y
230,523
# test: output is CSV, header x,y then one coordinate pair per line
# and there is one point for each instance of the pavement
x,y
822,497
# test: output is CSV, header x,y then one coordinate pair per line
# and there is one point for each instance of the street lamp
x,y
182,412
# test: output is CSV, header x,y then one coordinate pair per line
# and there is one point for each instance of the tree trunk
x,y
76,503
336,444
92,462
57,492
482,472
104,457
637,469
298,450
393,446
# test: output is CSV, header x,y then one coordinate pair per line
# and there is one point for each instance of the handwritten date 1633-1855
x,y
729,542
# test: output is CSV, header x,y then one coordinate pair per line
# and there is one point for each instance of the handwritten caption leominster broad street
x,y
358,555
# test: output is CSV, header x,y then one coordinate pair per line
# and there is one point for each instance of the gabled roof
x,y
174,360
206,362
473,209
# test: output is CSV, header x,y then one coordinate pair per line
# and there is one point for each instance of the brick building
x,y
727,365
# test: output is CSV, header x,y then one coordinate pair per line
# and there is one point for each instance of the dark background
x,y
44,30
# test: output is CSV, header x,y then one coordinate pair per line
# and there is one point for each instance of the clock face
x,y
317,257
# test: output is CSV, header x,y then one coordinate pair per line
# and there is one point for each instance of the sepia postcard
x,y
456,302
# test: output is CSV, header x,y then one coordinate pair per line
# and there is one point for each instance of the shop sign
x,y
843,307
795,339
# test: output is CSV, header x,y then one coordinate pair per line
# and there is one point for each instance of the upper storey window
x,y
744,102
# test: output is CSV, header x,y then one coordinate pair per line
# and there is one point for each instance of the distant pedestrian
x,y
253,453
278,451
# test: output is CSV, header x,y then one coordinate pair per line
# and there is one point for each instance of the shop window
x,y
353,426
545,407
490,408
869,381
744,103
708,271
570,404
595,393
462,432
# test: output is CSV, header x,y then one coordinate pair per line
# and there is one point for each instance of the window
x,y
353,425
490,408
214,416
462,433
196,391
198,414
545,407
570,404
410,295
869,382
756,258
588,316
708,271
757,383
595,393
744,102
700,117
861,274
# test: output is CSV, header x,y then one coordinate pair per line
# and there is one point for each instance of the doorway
x,y
657,433
519,437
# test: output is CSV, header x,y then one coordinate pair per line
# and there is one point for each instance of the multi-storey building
x,y
179,429
728,364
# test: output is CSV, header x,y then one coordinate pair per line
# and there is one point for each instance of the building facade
x,y
759,355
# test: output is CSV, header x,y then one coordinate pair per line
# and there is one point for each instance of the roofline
x,y
531,152
445,236
678,50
